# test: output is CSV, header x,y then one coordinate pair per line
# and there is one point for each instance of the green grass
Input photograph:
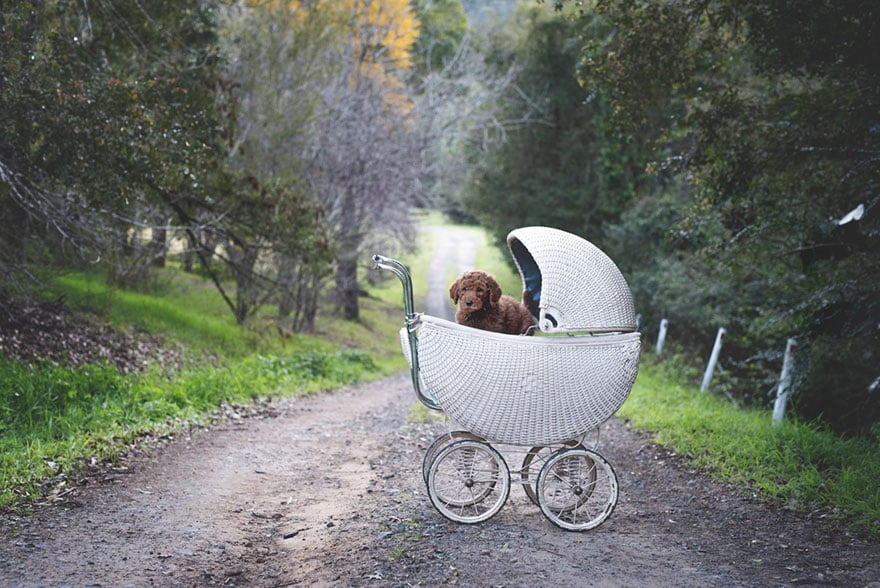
x,y
166,310
796,464
52,418
499,263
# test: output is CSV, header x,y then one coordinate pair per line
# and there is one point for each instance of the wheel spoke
x,y
439,443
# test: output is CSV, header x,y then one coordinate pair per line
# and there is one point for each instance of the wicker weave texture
x,y
525,390
582,288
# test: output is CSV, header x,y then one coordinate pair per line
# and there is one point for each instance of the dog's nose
x,y
469,303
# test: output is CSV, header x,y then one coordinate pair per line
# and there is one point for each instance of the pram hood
x,y
573,285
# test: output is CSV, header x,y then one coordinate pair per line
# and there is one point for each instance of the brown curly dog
x,y
481,305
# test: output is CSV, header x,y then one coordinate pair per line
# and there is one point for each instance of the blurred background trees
x,y
106,117
770,118
724,153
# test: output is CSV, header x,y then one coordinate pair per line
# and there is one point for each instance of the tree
x,y
325,118
768,108
568,168
385,144
106,113
359,158
279,248
443,29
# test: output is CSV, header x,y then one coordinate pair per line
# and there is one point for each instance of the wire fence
x,y
784,387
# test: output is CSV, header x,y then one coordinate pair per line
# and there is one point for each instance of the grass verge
x,y
54,418
796,464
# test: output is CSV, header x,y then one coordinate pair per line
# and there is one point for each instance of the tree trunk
x,y
290,286
188,258
159,244
347,289
13,233
244,260
347,285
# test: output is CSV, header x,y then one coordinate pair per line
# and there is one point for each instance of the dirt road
x,y
328,491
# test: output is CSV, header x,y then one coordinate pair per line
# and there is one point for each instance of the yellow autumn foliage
x,y
390,24
385,31
380,35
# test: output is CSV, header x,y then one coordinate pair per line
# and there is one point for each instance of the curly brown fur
x,y
480,304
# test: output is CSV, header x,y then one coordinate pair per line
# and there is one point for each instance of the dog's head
x,y
475,291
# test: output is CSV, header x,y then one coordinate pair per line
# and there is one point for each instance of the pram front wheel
x,y
468,481
577,489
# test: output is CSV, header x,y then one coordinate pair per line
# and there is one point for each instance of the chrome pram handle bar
x,y
402,272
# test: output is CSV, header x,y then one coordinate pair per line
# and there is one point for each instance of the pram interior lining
x,y
531,274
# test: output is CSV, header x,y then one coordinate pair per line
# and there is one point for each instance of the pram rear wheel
x,y
438,443
533,462
577,489
468,481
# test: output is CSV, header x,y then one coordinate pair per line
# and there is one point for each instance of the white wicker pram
x,y
545,393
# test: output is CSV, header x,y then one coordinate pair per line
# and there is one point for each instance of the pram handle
x,y
411,320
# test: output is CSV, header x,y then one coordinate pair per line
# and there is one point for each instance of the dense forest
x,y
724,153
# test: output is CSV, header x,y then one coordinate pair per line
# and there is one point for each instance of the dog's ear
x,y
494,290
455,290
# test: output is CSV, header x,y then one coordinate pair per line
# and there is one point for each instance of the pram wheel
x,y
577,489
440,442
468,481
533,462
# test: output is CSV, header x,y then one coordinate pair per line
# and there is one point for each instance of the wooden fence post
x,y
783,391
713,359
661,336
